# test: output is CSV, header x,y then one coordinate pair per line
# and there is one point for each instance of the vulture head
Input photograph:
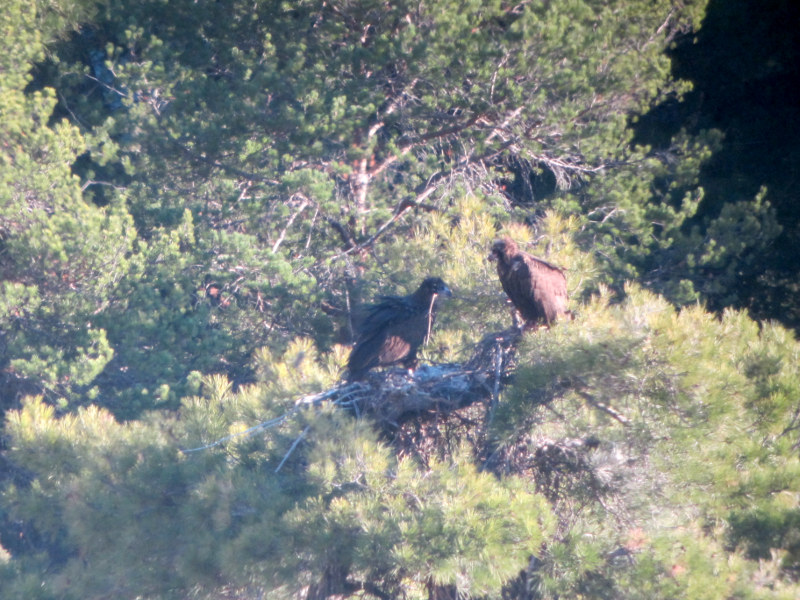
x,y
503,250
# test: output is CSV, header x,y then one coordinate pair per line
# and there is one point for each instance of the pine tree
x,y
197,197
61,256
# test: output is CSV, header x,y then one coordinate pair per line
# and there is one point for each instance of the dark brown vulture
x,y
393,330
537,289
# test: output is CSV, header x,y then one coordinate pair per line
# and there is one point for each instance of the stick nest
x,y
395,396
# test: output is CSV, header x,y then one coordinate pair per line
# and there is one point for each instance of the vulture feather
x,y
393,330
537,289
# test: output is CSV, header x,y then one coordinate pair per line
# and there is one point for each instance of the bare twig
x,y
303,204
247,432
293,446
613,413
90,182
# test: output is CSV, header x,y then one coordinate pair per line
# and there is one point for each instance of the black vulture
x,y
392,331
537,289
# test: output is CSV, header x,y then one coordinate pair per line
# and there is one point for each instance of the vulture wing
x,y
391,332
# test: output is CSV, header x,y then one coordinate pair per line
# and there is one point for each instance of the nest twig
x,y
395,396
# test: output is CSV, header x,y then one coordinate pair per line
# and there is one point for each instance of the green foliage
x,y
740,63
693,418
696,434
123,500
196,197
267,155
346,109
61,257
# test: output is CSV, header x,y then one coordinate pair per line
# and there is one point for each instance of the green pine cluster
x,y
196,196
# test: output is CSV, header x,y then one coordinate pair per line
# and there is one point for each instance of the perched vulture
x,y
537,289
393,330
